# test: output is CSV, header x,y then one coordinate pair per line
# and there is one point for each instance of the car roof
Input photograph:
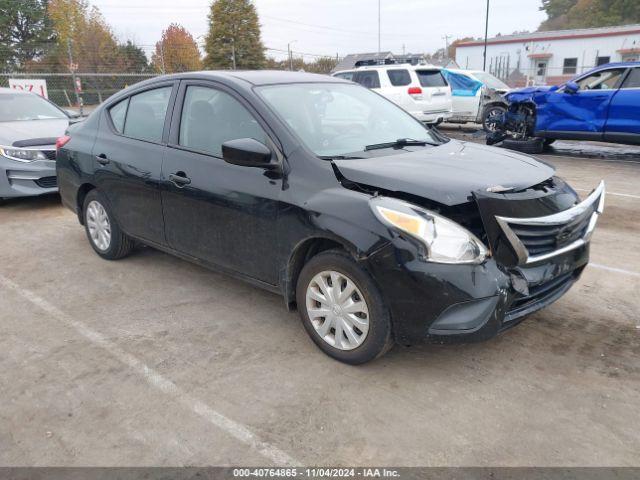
x,y
257,77
389,66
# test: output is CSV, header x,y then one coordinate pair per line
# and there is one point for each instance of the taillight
x,y
415,91
62,141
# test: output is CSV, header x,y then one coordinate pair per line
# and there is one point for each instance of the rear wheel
x,y
103,232
530,145
342,309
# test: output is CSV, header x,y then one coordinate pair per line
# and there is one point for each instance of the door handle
x,y
179,179
102,159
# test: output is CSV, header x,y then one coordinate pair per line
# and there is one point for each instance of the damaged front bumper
x,y
430,301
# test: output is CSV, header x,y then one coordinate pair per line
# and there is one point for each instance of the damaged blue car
x,y
602,104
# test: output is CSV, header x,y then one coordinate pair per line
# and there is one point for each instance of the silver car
x,y
29,127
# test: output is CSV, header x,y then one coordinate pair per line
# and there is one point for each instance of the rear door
x,y
582,114
435,90
128,155
623,123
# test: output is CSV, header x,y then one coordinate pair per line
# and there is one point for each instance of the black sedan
x,y
377,228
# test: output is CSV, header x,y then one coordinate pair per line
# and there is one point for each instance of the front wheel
x,y
530,145
490,115
342,309
103,232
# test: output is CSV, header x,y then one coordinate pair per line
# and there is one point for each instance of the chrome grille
x,y
540,238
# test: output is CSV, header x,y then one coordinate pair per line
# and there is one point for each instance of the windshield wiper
x,y
401,142
339,157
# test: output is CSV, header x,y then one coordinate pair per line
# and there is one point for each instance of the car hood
x,y
449,173
11,132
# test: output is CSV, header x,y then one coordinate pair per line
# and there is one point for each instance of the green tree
x,y
133,58
569,14
25,32
234,30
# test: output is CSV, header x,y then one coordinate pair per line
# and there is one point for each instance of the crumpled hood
x,y
449,173
523,94
25,130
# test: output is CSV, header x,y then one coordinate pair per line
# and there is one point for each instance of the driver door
x,y
216,212
582,115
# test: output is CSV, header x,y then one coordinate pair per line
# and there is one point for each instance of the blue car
x,y
602,104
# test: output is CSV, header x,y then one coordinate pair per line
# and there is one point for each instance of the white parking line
x,y
153,378
612,193
616,270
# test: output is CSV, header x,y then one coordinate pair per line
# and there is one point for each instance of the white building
x,y
551,58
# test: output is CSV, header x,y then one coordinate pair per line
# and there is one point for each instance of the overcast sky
x,y
327,27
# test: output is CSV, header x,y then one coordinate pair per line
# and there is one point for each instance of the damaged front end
x,y
516,123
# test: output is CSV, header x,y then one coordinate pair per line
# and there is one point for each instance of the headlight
x,y
22,154
445,240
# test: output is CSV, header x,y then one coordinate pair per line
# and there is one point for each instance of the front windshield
x,y
19,106
491,81
335,119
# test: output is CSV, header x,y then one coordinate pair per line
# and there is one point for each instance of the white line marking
x,y
153,378
611,193
613,269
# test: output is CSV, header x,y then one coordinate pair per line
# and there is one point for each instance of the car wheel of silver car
x,y
103,232
342,309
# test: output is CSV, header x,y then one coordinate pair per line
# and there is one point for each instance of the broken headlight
x,y
445,240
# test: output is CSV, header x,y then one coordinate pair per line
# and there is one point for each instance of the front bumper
x,y
445,303
24,179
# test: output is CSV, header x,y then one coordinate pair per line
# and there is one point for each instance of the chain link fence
x,y
95,87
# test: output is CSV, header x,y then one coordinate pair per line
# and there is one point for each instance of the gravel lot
x,y
155,361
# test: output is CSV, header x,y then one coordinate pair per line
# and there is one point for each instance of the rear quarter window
x,y
431,78
118,113
399,78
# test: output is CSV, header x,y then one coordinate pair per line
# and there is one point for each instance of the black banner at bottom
x,y
310,473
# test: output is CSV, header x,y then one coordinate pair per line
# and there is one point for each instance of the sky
x,y
330,27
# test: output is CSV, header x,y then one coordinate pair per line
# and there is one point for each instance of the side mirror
x,y
71,113
571,87
247,152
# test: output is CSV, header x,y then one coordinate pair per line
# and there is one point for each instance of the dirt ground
x,y
154,361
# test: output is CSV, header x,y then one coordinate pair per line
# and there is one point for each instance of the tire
x,y
375,341
119,245
489,112
530,145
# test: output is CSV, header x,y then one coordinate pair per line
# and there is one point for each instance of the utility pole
x,y
72,69
233,52
290,53
446,45
378,28
162,56
486,33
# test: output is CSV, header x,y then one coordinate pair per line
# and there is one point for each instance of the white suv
x,y
421,90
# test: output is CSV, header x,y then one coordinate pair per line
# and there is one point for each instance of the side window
x,y
345,75
369,79
603,80
146,113
431,78
633,80
570,66
117,114
399,78
211,117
